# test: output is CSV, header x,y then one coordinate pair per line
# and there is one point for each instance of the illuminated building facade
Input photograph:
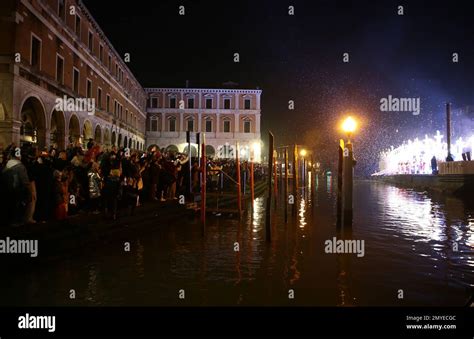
x,y
54,49
225,116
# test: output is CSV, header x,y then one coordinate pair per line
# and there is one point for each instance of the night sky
x,y
300,58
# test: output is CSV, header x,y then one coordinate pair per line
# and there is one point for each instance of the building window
x,y
209,103
208,125
110,63
172,102
35,52
89,89
226,126
107,103
247,104
101,53
99,97
154,124
247,126
172,126
90,41
154,102
78,26
226,103
190,125
61,9
75,80
190,102
59,69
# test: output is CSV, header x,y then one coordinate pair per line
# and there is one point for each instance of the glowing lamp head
x,y
303,152
349,125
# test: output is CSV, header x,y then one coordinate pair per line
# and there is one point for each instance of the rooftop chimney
x,y
187,83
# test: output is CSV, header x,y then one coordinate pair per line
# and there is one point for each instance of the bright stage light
x,y
414,156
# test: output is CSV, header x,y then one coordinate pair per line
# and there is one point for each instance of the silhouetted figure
x,y
466,153
90,144
434,165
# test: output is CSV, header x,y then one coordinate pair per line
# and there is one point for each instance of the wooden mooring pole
x,y
270,188
295,179
252,182
239,183
340,151
286,184
203,183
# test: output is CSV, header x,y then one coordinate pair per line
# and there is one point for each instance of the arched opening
x,y
172,149
125,142
130,143
210,151
87,132
33,124
119,141
114,139
193,151
226,151
74,130
57,130
98,135
107,140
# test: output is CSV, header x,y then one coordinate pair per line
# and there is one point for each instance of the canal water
x,y
410,258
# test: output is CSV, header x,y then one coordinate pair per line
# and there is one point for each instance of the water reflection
x,y
301,214
417,217
409,243
344,272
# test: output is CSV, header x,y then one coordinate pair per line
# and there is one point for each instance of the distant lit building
x,y
225,116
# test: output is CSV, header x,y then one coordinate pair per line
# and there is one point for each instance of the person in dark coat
x,y
44,179
434,165
16,186
112,188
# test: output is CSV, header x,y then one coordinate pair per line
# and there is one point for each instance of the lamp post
x,y
348,126
303,153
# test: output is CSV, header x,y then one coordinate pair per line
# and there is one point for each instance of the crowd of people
x,y
39,186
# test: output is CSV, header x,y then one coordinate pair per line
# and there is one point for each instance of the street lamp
x,y
349,126
303,153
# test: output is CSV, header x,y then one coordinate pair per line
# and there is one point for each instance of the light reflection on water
x,y
409,244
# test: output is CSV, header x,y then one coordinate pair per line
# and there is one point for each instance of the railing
x,y
456,167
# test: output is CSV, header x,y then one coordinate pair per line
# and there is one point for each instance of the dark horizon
x,y
300,58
